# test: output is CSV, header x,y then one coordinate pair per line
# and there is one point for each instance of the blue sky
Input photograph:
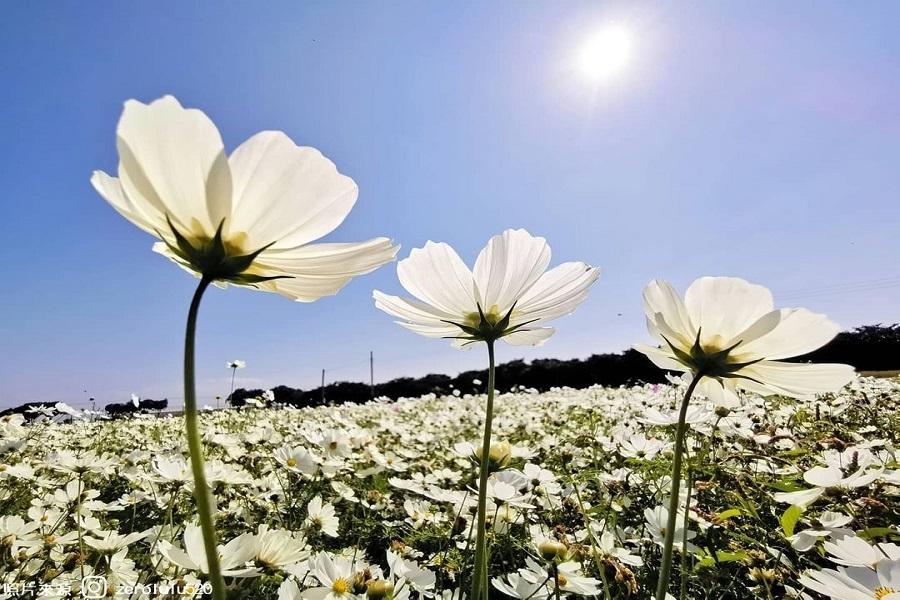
x,y
753,139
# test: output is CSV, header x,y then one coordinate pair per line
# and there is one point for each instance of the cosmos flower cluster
x,y
786,497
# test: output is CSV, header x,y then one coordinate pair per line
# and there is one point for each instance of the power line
x,y
842,288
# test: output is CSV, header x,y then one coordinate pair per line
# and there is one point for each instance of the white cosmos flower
x,y
856,583
422,580
232,556
297,460
517,586
321,516
277,548
335,576
853,551
509,295
824,478
247,218
110,542
729,330
236,364
656,520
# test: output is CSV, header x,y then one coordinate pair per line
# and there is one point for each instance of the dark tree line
x,y
114,409
868,348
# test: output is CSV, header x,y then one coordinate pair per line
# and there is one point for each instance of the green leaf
x,y
789,520
723,556
786,485
727,514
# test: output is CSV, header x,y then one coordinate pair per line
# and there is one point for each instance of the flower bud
x,y
551,549
377,589
499,455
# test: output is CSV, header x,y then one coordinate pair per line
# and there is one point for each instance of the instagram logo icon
x,y
93,586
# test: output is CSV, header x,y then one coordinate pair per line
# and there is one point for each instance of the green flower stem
x,y
201,491
666,566
480,573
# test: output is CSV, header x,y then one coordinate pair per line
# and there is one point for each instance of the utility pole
x,y
323,386
372,374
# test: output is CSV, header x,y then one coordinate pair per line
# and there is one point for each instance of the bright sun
x,y
605,53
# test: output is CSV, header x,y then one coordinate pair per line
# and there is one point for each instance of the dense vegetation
x,y
868,348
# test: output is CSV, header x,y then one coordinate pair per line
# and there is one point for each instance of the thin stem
x,y
201,491
684,533
666,566
555,581
78,523
480,573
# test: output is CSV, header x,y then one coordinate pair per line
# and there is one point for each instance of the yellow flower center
x,y
881,592
340,586
561,579
292,462
491,315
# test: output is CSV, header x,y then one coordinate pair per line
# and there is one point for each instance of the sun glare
x,y
605,54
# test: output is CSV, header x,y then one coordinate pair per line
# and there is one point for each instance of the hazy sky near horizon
x,y
758,139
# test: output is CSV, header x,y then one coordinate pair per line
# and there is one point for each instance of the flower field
x,y
786,498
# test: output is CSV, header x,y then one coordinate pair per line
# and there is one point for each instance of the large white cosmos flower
x,y
509,295
729,331
247,218
857,583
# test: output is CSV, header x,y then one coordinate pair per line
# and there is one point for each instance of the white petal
x,y
823,476
437,276
723,307
508,265
177,556
852,551
786,333
414,312
318,270
828,584
529,337
434,331
797,380
718,392
801,498
286,194
110,188
193,545
558,292
661,358
662,301
172,160
288,590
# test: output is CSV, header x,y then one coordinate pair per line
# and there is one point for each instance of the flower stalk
x,y
195,447
480,571
666,565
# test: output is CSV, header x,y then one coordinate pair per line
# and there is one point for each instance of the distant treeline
x,y
114,409
868,348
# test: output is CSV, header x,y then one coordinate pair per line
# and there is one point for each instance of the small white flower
x,y
509,295
321,517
